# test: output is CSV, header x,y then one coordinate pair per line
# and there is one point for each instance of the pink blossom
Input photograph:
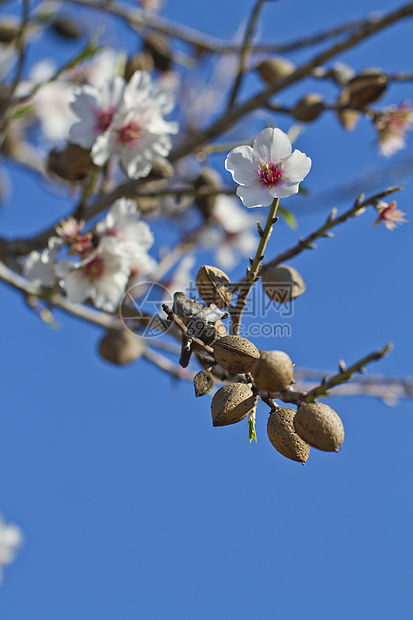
x,y
392,125
389,215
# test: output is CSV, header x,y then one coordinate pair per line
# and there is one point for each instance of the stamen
x,y
270,173
94,270
130,134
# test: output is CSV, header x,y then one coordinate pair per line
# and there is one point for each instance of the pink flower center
x,y
129,134
270,173
104,119
94,270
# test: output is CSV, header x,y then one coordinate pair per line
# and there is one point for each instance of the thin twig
x,y
223,123
243,52
172,317
128,189
246,285
345,374
166,365
138,19
21,46
331,222
103,319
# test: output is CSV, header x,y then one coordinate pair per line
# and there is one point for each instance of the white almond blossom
x,y
135,237
268,170
123,222
11,539
102,276
95,106
124,119
51,102
39,266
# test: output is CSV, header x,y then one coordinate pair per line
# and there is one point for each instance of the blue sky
x,y
132,505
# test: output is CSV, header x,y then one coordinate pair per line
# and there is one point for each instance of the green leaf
x,y
288,217
251,427
90,49
21,111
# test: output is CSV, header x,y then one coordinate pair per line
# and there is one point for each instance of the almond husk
x,y
273,371
231,404
121,346
320,426
283,436
235,353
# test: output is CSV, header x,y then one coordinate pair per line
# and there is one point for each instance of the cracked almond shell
x,y
320,426
213,286
235,353
231,404
273,371
283,436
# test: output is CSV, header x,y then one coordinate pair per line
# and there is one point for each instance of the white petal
x,y
111,92
135,165
255,195
137,89
283,190
296,167
83,134
272,144
77,286
107,292
240,162
84,103
103,148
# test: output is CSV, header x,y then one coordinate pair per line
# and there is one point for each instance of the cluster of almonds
x,y
358,90
251,371
290,431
